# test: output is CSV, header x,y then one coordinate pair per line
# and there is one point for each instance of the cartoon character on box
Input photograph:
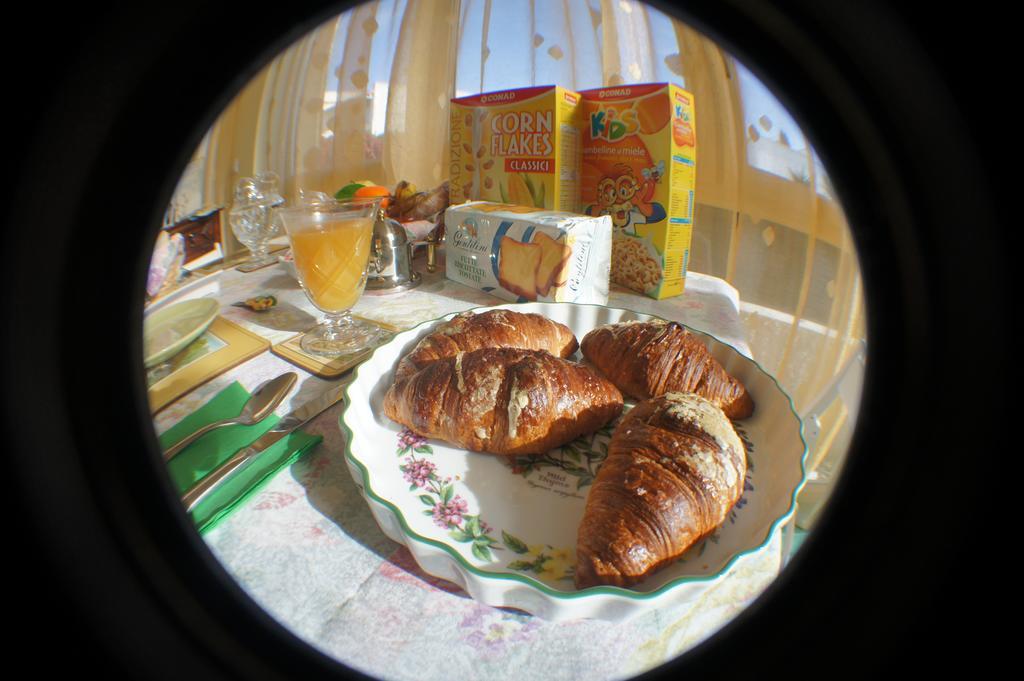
x,y
605,198
627,200
654,174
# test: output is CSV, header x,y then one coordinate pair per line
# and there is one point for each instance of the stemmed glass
x,y
331,243
254,219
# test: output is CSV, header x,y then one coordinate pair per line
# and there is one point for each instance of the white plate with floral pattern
x,y
505,529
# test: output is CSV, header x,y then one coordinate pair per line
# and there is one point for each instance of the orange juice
x,y
519,147
639,165
331,261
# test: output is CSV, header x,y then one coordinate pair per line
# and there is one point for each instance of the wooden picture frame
x,y
224,345
201,232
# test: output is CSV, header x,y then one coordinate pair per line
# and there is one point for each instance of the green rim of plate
x,y
529,581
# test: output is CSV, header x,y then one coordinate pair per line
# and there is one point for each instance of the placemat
x,y
222,346
292,351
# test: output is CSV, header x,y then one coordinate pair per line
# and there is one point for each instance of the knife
x,y
286,425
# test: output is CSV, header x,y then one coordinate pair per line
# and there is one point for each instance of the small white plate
x,y
167,331
509,534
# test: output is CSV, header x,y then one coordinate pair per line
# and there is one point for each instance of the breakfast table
x,y
307,549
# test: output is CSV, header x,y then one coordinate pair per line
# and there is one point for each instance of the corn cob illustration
x,y
518,191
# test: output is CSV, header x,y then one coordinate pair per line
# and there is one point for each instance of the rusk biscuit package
x,y
524,254
516,146
639,165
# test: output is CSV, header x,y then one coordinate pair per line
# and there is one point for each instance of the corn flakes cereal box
x,y
518,147
639,165
522,254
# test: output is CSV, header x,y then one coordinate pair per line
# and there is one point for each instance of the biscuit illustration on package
x,y
552,270
517,267
527,254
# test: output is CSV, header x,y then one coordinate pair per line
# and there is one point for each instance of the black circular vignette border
x,y
113,577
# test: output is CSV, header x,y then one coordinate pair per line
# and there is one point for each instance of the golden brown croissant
x,y
505,401
674,470
648,359
492,329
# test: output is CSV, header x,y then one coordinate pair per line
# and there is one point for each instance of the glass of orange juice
x,y
331,242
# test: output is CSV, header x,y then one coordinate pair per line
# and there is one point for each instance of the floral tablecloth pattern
x,y
308,551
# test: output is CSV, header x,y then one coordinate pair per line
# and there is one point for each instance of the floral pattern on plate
x,y
451,512
579,459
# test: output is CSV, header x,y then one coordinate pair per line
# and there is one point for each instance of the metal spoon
x,y
260,405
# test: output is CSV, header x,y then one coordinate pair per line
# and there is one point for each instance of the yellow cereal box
x,y
519,147
639,164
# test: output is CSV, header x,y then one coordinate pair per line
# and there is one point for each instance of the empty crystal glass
x,y
254,218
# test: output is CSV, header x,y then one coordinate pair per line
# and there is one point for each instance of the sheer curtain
x,y
365,96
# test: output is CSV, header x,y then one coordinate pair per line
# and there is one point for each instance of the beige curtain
x,y
318,113
365,96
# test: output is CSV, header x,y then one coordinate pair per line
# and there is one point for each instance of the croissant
x,y
492,329
648,359
506,401
674,470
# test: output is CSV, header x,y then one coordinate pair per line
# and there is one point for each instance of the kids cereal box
x,y
519,147
639,164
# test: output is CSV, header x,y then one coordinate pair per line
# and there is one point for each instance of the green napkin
x,y
209,451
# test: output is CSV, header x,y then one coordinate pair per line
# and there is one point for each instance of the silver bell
x,y
390,257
